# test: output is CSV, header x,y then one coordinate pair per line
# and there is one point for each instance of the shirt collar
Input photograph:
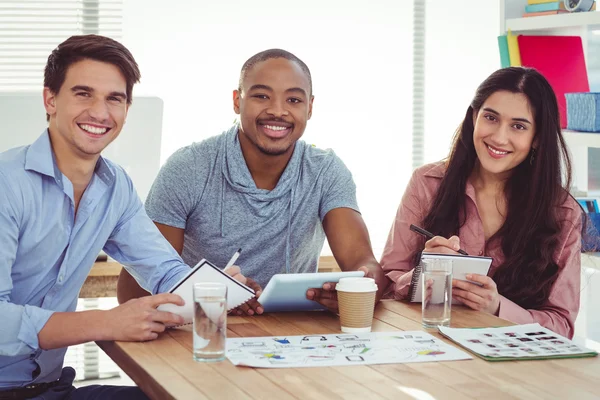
x,y
40,158
104,171
437,170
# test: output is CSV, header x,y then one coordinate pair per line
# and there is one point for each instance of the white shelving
x,y
578,144
571,24
552,22
587,139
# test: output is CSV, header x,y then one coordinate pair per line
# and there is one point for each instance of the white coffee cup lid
x,y
355,284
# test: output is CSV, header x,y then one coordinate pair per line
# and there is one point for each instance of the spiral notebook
x,y
461,266
204,271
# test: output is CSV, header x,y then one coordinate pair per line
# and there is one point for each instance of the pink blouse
x,y
561,309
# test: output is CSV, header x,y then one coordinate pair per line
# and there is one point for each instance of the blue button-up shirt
x,y
46,251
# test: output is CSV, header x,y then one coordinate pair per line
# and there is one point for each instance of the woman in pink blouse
x,y
501,193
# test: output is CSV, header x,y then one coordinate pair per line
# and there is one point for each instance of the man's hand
x,y
252,306
139,320
327,295
236,273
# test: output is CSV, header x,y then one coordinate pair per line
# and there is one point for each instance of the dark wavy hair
x,y
533,192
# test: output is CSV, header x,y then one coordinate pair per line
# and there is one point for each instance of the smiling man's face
x,y
274,104
89,110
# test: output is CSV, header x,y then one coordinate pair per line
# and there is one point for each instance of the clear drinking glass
x,y
437,292
210,321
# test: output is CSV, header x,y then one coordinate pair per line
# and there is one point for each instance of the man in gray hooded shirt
x,y
258,187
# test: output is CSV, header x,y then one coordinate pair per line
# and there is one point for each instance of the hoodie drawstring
x,y
222,205
289,234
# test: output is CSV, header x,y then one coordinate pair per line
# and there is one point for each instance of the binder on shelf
x,y
561,60
503,48
514,51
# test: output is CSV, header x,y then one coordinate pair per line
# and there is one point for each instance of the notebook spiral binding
x,y
412,291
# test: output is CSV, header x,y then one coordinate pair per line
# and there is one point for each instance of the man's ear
x,y
49,101
236,101
310,106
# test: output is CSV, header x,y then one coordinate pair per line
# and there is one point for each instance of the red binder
x,y
561,60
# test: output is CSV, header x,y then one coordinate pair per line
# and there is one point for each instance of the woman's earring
x,y
532,156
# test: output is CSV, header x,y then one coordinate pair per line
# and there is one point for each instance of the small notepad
x,y
461,266
204,271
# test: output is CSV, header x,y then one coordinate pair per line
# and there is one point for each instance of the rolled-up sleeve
x,y
560,311
141,248
397,258
20,324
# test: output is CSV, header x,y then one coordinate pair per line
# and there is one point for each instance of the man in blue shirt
x,y
60,204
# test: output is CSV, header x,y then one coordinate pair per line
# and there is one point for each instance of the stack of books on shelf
x,y
536,8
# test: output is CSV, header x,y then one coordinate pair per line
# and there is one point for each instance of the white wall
x,y
360,55
461,51
136,149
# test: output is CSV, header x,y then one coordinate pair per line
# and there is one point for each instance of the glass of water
x,y
437,292
210,321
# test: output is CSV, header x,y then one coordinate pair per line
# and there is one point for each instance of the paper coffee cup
x,y
356,299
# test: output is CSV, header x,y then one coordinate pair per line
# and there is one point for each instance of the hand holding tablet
x,y
287,292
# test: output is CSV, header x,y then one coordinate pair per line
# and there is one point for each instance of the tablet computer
x,y
287,292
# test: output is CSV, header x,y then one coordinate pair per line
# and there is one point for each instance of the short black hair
x,y
268,55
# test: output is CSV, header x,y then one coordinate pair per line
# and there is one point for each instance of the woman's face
x,y
504,132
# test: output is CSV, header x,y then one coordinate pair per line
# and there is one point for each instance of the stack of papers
x,y
518,342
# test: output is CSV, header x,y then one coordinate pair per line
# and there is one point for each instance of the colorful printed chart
x,y
340,350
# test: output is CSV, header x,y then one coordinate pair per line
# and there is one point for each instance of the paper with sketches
x,y
340,350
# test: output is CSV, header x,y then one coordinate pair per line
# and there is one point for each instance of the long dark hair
x,y
535,189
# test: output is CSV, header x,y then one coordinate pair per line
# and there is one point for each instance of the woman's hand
x,y
483,297
441,245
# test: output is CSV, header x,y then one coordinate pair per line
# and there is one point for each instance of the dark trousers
x,y
65,390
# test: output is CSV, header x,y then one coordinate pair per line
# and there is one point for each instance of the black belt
x,y
27,392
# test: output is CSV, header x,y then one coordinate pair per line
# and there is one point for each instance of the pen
x,y
233,258
430,235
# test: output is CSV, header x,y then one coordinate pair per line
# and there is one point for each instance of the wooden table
x,y
102,280
164,368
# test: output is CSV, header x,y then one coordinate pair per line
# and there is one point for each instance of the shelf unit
x,y
587,139
586,20
572,24
579,143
